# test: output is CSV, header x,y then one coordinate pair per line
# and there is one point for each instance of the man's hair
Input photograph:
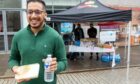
x,y
91,24
39,1
78,25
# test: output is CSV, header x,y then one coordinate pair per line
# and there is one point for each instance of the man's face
x,y
91,25
35,14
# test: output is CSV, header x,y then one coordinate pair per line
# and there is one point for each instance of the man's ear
x,y
46,14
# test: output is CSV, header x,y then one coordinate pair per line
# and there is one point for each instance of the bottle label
x,y
46,65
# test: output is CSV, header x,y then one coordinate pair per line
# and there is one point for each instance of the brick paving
x,y
111,76
89,71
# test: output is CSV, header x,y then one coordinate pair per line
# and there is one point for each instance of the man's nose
x,y
34,14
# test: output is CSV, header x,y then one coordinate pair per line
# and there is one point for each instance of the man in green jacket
x,y
32,44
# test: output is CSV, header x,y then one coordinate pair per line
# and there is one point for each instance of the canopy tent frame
x,y
94,11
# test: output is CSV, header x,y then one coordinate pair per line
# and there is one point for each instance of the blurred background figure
x,y
79,34
92,33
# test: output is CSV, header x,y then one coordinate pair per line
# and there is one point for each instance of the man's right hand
x,y
16,70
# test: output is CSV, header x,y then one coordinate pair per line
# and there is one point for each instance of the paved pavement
x,y
111,76
93,72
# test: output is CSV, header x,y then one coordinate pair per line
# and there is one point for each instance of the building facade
x,y
12,16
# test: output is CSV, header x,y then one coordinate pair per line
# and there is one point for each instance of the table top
x,y
73,48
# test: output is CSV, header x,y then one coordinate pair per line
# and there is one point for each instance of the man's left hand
x,y
53,66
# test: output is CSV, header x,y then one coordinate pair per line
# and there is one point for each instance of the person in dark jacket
x,y
92,33
79,34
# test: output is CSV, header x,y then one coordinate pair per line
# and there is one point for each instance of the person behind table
x,y
79,34
32,44
92,33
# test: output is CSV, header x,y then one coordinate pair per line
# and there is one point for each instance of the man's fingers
x,y
53,66
53,59
53,63
15,69
27,79
22,80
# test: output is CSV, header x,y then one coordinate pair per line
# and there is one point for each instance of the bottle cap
x,y
49,55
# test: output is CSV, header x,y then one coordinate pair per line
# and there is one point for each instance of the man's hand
x,y
53,66
16,70
22,80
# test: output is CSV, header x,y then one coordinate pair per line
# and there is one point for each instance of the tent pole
x,y
129,39
126,42
128,55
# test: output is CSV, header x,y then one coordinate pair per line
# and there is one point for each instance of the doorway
x,y
10,22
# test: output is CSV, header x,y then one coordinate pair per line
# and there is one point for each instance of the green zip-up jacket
x,y
28,48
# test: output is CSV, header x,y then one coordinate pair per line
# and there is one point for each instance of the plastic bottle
x,y
48,75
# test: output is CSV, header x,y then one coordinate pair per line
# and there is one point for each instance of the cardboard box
x,y
28,71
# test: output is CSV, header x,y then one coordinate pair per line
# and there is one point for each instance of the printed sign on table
x,y
107,36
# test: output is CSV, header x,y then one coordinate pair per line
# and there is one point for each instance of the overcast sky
x,y
127,3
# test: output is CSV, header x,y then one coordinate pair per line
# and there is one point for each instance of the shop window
x,y
13,21
1,43
10,37
1,26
